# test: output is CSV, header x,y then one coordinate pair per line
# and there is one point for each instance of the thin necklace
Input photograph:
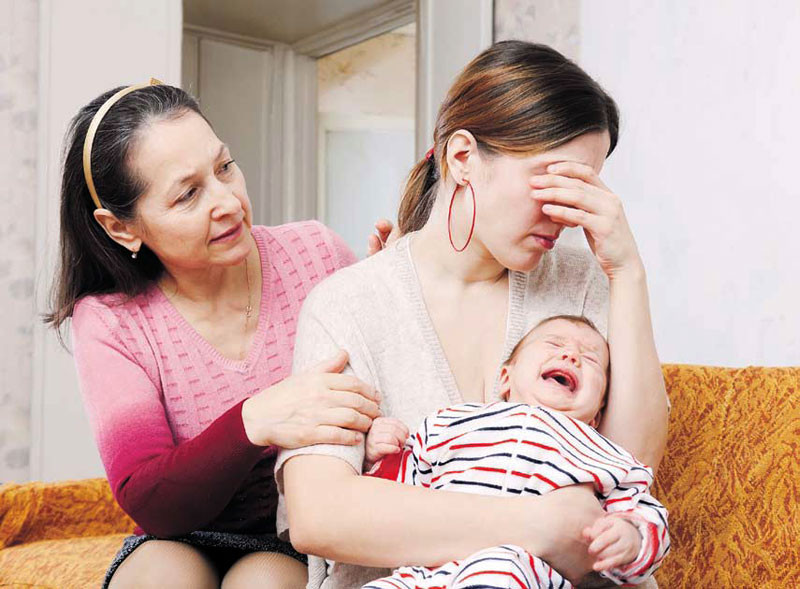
x,y
248,311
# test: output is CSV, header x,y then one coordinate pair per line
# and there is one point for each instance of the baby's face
x,y
562,365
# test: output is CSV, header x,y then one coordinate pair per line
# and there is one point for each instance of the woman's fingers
x,y
346,399
374,245
328,434
578,171
385,233
588,199
347,418
595,224
334,364
348,382
384,228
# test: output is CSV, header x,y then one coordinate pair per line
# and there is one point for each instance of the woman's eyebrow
x,y
189,175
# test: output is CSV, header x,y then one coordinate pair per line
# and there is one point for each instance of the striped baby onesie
x,y
512,448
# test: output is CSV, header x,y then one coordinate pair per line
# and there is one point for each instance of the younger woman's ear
x,y
505,384
121,232
461,147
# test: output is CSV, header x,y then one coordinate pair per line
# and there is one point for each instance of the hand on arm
x,y
318,406
636,413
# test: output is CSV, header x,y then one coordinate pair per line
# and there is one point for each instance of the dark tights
x,y
162,563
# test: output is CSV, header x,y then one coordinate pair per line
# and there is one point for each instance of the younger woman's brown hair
x,y
515,98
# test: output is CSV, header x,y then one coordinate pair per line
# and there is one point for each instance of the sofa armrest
x,y
51,511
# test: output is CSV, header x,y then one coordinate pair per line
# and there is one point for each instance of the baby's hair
x,y
578,319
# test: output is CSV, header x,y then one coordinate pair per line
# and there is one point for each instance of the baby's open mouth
x,y
562,377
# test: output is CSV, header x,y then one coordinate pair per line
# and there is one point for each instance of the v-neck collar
x,y
515,320
263,316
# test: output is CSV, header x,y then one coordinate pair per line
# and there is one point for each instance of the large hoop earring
x,y
450,216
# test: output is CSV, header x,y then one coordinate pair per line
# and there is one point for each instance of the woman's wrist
x,y
632,273
252,428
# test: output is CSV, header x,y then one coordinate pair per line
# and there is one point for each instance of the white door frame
x,y
449,34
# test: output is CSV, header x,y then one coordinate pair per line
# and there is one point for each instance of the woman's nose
x,y
225,202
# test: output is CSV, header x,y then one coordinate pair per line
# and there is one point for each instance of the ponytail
x,y
419,195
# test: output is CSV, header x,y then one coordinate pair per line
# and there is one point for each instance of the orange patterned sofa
x,y
731,480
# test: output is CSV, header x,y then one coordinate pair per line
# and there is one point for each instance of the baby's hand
x,y
386,436
614,542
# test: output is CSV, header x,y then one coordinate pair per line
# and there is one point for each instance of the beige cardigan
x,y
375,310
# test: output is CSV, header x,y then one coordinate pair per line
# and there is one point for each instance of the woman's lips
x,y
546,242
230,234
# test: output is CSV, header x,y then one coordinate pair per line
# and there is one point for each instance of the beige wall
x,y
552,22
704,166
18,106
376,77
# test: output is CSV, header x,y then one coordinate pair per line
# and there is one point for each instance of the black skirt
x,y
222,548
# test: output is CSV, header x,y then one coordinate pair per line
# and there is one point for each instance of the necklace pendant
x,y
248,311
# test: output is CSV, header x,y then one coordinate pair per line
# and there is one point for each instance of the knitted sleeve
x,y
167,489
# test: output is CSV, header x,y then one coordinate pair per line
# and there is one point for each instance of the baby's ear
x,y
505,383
595,422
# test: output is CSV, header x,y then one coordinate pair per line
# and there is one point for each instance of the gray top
x,y
375,310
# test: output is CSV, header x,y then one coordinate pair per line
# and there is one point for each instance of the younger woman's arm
x,y
637,407
335,513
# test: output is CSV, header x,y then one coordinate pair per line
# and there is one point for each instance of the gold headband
x,y
87,143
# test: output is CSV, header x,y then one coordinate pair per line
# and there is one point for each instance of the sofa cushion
x,y
76,563
66,509
731,477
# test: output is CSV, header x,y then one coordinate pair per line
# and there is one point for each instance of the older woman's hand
x,y
386,234
318,407
574,195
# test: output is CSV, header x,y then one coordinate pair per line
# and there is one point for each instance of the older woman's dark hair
x,y
90,262
515,98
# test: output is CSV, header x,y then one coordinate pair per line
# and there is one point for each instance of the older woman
x,y
518,146
183,318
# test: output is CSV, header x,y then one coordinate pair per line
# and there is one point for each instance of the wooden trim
x,y
43,205
436,58
234,38
364,26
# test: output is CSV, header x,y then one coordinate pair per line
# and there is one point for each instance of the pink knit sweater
x,y
165,406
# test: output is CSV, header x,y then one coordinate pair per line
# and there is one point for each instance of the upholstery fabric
x,y
730,479
59,535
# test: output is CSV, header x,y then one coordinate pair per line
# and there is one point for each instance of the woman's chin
x,y
236,255
521,260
